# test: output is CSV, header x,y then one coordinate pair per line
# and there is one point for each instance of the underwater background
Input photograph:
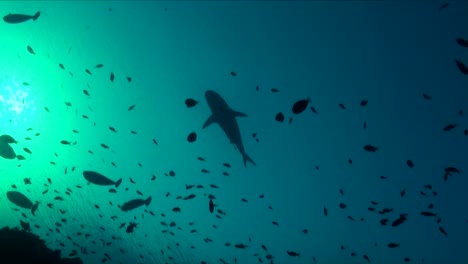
x,y
380,74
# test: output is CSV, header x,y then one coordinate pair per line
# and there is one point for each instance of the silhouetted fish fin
x,y
148,201
36,16
239,114
117,183
247,158
34,208
209,121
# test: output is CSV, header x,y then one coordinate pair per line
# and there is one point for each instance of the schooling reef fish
x,y
130,205
226,119
100,179
19,18
22,201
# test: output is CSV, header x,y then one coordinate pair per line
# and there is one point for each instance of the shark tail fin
x,y
247,158
117,183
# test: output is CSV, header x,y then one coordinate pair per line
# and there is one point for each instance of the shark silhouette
x,y
222,114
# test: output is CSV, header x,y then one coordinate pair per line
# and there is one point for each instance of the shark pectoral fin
x,y
209,121
239,114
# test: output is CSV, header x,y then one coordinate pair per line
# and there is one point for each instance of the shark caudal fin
x,y
117,183
247,158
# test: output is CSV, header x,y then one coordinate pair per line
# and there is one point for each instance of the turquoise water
x,y
389,53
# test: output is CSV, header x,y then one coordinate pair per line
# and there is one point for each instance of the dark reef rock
x,y
19,246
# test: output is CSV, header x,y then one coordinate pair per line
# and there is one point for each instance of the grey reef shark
x,y
225,117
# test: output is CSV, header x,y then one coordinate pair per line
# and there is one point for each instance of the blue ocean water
x,y
261,57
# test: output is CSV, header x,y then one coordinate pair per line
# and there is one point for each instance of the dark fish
x,y
292,253
410,163
462,42
22,201
240,245
366,258
325,211
176,209
443,231
449,127
191,196
27,150
300,106
25,226
274,90
98,66
400,220
129,79
130,205
112,77
313,110
279,117
86,92
211,206
463,69
370,148
430,214
393,245
427,97
443,6
192,137
27,181
100,179
8,139
131,107
112,129
402,193
233,74
130,227
87,71
364,102
65,142
452,169
190,102
19,18
342,106
31,50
